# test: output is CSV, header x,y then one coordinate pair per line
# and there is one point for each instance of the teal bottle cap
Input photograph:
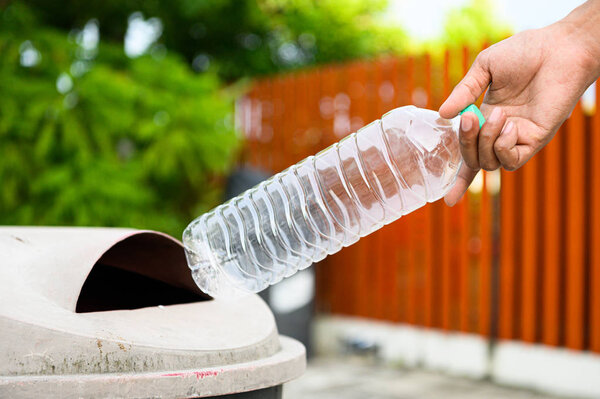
x,y
473,108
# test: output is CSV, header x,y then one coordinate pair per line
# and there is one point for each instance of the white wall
x,y
546,369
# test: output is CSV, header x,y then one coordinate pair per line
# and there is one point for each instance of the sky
x,y
425,18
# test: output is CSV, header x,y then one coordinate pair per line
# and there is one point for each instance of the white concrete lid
x,y
42,271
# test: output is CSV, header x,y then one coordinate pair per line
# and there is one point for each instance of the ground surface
x,y
350,379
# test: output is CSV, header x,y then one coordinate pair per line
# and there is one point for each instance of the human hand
x,y
535,79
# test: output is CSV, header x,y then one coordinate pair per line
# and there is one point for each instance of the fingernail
x,y
507,128
465,124
495,116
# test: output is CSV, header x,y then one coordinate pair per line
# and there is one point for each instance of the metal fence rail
x,y
518,258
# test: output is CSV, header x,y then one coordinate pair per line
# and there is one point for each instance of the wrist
x,y
581,29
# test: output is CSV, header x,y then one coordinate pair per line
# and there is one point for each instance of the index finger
x,y
470,88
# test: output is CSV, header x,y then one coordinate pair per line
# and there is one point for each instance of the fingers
x,y
490,131
477,146
470,88
498,146
510,154
467,138
463,181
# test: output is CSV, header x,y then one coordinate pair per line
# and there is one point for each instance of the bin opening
x,y
143,270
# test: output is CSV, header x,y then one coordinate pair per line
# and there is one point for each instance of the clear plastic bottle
x,y
325,202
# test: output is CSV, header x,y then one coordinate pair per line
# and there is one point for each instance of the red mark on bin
x,y
198,374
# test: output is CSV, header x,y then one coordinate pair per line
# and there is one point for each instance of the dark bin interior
x,y
146,269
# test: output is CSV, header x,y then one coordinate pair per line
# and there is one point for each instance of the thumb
x,y
470,88
463,181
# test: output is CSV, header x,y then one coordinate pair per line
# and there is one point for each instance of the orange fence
x,y
517,258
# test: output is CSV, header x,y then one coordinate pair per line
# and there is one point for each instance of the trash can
x,y
107,312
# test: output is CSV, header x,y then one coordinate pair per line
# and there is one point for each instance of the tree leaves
x,y
132,143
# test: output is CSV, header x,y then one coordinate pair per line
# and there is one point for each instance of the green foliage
x,y
332,30
244,37
96,138
473,25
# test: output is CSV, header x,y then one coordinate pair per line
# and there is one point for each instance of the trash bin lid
x,y
194,349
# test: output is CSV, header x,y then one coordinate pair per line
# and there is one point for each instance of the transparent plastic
x,y
323,203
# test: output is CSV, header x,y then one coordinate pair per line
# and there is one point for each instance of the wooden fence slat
x,y
357,78
465,237
328,83
288,119
394,236
268,120
485,262
402,79
325,81
446,236
428,267
354,253
594,287
312,108
575,240
552,241
279,160
388,69
300,128
507,255
379,293
263,141
373,247
446,275
529,252
411,274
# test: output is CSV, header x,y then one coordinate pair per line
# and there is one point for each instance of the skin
x,y
533,81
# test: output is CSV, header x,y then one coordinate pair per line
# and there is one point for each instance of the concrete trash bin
x,y
106,312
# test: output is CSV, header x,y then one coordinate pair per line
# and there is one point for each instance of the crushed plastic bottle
x,y
325,202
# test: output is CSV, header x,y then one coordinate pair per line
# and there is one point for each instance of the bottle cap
x,y
473,108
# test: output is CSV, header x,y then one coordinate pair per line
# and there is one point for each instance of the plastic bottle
x,y
325,202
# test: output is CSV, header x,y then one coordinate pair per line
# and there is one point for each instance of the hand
x,y
535,79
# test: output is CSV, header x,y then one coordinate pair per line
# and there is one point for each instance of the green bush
x,y
91,137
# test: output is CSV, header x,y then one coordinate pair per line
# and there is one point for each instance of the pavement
x,y
346,378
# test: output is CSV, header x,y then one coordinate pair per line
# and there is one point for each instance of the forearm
x,y
582,29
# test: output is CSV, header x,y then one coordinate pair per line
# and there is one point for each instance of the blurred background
x,y
148,113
